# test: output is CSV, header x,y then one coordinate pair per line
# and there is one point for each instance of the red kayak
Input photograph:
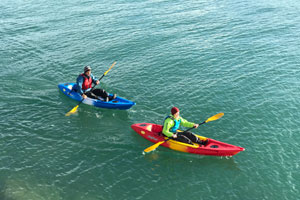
x,y
152,132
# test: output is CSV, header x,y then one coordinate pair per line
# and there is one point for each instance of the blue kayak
x,y
117,103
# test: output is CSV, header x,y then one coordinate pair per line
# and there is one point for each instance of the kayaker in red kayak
x,y
84,85
172,124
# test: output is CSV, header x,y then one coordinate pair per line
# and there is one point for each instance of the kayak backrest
x,y
156,128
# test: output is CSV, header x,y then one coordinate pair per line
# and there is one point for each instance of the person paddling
x,y
172,124
84,85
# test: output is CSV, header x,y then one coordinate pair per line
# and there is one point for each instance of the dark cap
x,y
87,68
174,110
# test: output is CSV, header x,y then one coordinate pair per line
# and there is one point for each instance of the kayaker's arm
x,y
186,123
79,82
169,123
95,80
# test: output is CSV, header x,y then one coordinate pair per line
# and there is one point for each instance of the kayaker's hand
x,y
196,125
97,82
84,96
174,135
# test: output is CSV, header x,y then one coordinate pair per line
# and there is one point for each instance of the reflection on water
x,y
177,158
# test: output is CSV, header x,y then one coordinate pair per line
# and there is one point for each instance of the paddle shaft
x,y
194,127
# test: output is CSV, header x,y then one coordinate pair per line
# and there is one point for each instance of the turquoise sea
x,y
205,57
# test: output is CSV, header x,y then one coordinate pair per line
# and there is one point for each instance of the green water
x,y
205,57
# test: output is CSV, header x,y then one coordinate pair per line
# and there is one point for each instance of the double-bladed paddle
x,y
75,108
213,118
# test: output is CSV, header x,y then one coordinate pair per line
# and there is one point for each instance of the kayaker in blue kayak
x,y
84,85
172,124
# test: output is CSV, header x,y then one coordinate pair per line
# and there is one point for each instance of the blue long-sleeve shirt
x,y
79,82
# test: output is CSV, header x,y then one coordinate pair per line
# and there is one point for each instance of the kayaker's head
x,y
175,112
87,70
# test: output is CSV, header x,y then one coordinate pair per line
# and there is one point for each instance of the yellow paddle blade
x,y
153,147
215,117
110,68
72,111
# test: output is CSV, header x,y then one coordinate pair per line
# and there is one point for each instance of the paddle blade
x,y
215,117
110,68
72,111
153,147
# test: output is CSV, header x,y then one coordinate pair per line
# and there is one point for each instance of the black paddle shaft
x,y
194,127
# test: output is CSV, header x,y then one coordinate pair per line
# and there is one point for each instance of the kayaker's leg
x,y
113,97
101,93
193,137
183,138
90,95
